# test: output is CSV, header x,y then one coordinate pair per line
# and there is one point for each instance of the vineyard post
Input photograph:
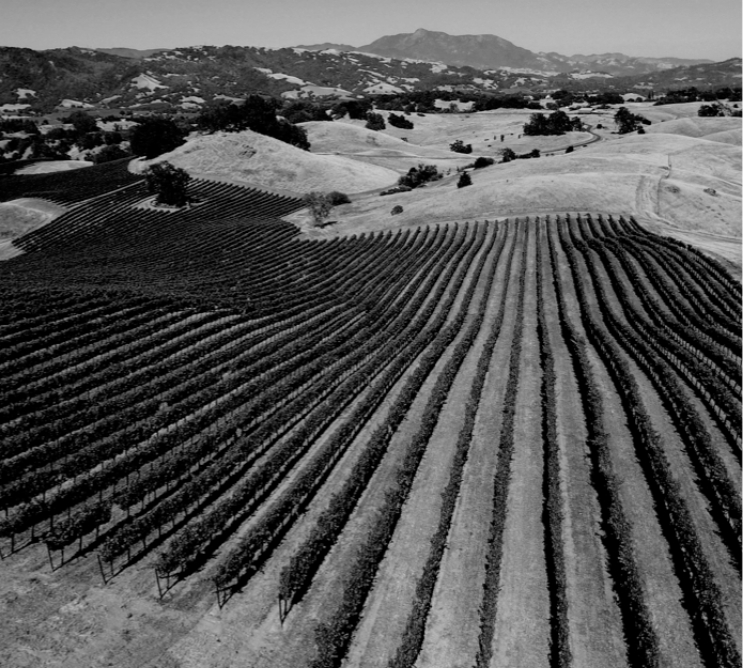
x,y
100,565
49,554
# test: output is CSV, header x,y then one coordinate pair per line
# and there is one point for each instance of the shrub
x,y
395,210
483,162
569,149
398,189
460,147
336,198
464,180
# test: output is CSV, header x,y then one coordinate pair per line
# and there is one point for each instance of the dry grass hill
x,y
253,159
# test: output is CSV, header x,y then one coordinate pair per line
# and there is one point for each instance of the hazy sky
x,y
682,28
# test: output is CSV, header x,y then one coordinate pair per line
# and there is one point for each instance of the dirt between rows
x,y
452,630
663,593
522,623
595,625
683,472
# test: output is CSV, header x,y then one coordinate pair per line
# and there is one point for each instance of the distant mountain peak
x,y
490,52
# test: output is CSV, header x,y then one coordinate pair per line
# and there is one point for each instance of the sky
x,y
708,29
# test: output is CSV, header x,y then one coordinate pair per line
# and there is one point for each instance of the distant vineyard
x,y
492,443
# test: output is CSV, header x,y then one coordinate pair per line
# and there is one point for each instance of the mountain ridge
x,y
487,51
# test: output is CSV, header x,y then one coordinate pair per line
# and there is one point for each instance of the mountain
x,y
326,45
480,51
487,52
135,54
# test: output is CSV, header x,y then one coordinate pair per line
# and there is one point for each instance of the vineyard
x,y
494,443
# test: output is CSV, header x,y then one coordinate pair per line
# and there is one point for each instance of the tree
x,y
626,121
155,136
319,205
557,123
464,180
169,183
508,154
110,152
82,122
374,121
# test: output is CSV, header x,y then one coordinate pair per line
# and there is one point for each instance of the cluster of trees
x,y
459,146
557,123
59,141
256,114
400,121
626,121
419,175
718,109
693,94
155,136
303,111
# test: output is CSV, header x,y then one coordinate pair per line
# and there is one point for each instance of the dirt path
x,y
453,622
670,620
596,636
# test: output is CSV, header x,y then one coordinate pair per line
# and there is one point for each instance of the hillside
x,y
251,158
681,177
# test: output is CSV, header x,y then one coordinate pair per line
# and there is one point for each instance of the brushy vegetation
x,y
256,114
